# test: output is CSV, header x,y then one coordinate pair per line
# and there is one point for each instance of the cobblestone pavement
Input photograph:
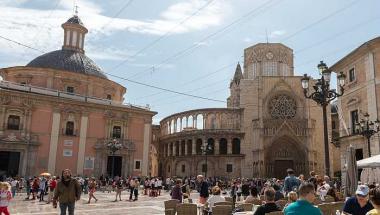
x,y
105,205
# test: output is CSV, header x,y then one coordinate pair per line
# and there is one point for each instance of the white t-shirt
x,y
14,183
214,199
4,198
159,183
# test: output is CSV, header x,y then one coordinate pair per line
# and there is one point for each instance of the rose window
x,y
282,107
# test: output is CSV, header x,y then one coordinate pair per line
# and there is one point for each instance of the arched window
x,y
183,145
189,147
116,132
176,148
199,146
236,146
199,121
69,128
14,122
223,146
211,145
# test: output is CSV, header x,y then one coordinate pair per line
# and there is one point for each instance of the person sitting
x,y
292,197
214,198
358,204
253,197
374,196
304,204
176,192
270,205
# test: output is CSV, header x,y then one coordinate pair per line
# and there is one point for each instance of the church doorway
x,y
280,167
9,163
117,165
285,153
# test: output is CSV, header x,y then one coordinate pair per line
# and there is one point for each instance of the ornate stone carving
x,y
282,107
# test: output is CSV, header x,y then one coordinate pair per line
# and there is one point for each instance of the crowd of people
x,y
300,192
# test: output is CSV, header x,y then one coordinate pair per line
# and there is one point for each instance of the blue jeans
x,y
69,206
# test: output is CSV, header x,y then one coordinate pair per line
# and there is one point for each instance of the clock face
x,y
269,55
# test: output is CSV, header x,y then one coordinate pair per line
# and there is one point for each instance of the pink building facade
x,y
60,111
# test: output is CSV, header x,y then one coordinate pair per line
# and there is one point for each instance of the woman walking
x,y
92,188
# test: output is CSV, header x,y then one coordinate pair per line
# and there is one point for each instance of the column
x,y
2,120
186,147
217,146
229,146
194,145
180,148
82,144
168,151
147,142
174,149
195,121
54,142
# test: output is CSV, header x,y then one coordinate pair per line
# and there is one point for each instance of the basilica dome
x,y
72,55
70,60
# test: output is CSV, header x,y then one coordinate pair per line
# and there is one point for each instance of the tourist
x,y
301,178
52,186
292,197
132,188
67,192
136,189
42,188
245,189
28,187
374,196
176,192
358,204
14,184
159,186
5,197
119,188
278,195
214,198
304,205
291,182
254,197
313,179
270,205
35,187
203,192
92,189
233,191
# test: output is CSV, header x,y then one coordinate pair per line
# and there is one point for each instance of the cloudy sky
x,y
190,46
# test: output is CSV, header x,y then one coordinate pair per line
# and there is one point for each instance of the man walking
x,y
291,182
68,191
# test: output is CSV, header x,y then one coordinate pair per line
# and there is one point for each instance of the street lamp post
x,y
323,95
367,129
113,146
206,148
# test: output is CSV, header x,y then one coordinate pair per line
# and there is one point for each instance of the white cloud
x,y
41,28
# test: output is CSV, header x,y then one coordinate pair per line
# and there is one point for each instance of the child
x,y
5,197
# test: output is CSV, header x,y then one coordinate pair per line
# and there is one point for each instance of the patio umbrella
x,y
351,173
45,174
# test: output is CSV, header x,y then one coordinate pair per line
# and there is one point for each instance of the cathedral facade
x,y
267,127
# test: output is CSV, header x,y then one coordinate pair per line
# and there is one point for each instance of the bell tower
x,y
74,34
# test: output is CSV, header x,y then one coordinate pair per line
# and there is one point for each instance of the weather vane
x,y
75,8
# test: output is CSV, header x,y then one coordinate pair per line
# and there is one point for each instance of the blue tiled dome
x,y
69,60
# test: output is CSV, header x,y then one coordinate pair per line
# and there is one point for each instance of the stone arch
x,y
285,152
189,147
223,146
190,120
198,146
178,125
182,168
236,146
211,145
199,124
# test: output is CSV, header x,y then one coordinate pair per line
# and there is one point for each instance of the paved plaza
x,y
105,205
